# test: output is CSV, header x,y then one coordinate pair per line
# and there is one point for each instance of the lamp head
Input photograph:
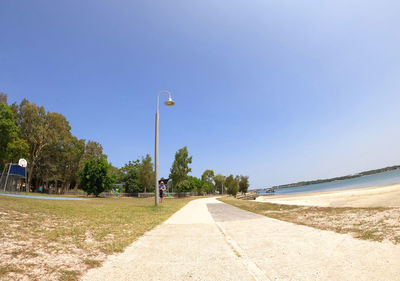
x,y
169,102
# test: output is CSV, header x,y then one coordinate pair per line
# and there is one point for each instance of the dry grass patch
x,y
375,224
7,268
60,240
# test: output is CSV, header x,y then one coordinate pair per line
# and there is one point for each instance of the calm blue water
x,y
386,178
42,197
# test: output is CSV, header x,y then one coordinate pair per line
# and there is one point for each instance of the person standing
x,y
162,191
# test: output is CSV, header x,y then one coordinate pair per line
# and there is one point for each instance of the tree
x,y
45,139
208,177
12,148
219,181
117,173
146,174
196,184
130,177
34,129
58,161
3,98
16,150
61,154
95,176
90,150
70,161
183,186
244,184
180,167
8,132
93,149
232,185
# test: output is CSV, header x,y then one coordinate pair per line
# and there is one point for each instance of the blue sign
x,y
17,170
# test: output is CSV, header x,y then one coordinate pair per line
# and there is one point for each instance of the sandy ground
x,y
210,240
385,196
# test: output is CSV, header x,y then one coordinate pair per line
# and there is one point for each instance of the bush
x,y
196,184
95,176
183,186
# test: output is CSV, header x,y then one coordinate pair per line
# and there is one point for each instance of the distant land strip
x,y
302,183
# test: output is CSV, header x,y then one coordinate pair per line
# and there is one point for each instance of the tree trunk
x,y
37,184
76,184
66,187
28,184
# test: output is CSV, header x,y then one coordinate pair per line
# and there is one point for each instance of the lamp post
x,y
169,102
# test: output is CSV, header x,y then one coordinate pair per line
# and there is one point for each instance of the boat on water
x,y
266,191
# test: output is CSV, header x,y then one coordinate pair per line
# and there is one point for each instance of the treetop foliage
x,y
3,98
232,184
180,167
243,184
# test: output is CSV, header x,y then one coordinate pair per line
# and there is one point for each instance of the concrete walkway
x,y
210,240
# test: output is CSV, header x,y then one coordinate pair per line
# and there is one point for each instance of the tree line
x,y
44,138
208,183
60,160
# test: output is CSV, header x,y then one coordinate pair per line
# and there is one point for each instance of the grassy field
x,y
60,240
376,224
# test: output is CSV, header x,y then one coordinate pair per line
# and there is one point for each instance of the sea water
x,y
381,179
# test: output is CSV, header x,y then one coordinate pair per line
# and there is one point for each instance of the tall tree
x,y
91,150
130,177
146,173
219,181
58,160
34,129
70,165
244,184
180,167
8,131
208,177
232,185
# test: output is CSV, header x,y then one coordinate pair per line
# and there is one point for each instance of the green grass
x,y
374,224
86,230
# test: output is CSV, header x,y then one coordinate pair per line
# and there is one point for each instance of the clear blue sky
x,y
281,91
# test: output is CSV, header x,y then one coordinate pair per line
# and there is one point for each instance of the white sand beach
x,y
381,196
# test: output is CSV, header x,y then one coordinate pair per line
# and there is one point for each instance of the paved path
x,y
209,240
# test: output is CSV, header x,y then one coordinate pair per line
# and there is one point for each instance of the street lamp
x,y
169,102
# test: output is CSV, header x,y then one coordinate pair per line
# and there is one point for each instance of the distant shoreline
x,y
303,183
